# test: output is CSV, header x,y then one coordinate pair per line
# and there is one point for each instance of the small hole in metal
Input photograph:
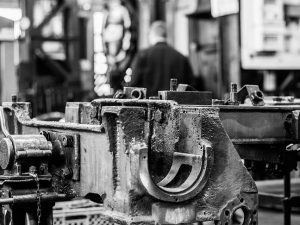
x,y
227,212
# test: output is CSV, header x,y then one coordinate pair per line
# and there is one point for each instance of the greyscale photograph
x,y
149,112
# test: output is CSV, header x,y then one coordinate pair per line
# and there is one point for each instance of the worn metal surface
x,y
187,97
266,134
145,158
260,122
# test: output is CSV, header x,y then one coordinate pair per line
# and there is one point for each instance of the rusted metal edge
x,y
25,120
61,125
132,102
251,108
262,141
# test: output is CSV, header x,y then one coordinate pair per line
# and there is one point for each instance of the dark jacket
x,y
154,67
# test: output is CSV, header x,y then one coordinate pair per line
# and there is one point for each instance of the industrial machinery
x,y
265,130
153,160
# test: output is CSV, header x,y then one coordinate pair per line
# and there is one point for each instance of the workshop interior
x,y
82,143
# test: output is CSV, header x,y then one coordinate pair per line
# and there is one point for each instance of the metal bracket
x,y
66,144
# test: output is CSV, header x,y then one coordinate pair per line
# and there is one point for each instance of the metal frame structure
x,y
66,72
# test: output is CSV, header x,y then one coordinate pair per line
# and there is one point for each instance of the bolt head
x,y
158,116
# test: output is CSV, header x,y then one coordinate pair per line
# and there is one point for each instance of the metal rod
x,y
33,198
31,153
286,200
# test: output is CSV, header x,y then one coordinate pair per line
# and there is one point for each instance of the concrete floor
x,y
273,217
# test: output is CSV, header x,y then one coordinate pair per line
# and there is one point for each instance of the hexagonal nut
x,y
158,116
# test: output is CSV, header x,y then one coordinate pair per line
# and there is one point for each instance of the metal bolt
x,y
19,168
173,84
32,169
233,94
67,141
46,134
14,98
158,116
233,87
44,168
64,141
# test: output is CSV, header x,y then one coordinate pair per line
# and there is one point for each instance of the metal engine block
x,y
151,161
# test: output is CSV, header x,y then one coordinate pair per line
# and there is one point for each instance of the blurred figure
x,y
154,67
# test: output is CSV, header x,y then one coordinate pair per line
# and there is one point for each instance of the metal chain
x,y
38,195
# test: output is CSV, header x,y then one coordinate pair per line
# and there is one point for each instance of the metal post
x,y
286,200
287,194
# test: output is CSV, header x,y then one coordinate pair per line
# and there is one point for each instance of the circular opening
x,y
259,94
241,200
136,94
227,212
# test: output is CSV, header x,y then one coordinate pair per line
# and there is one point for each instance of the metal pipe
x,y
33,198
31,153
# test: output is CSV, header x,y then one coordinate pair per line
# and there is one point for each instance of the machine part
x,y
33,198
262,135
129,119
187,97
66,145
233,99
185,94
201,166
131,93
2,123
143,157
17,147
251,92
7,153
295,123
173,84
38,196
185,87
218,102
135,93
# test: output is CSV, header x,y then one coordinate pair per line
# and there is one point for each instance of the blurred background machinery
x,y
54,51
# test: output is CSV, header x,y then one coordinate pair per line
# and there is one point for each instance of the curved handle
x,y
200,169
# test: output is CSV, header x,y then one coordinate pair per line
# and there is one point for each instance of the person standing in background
x,y
155,66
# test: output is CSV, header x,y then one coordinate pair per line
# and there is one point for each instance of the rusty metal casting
x,y
147,159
